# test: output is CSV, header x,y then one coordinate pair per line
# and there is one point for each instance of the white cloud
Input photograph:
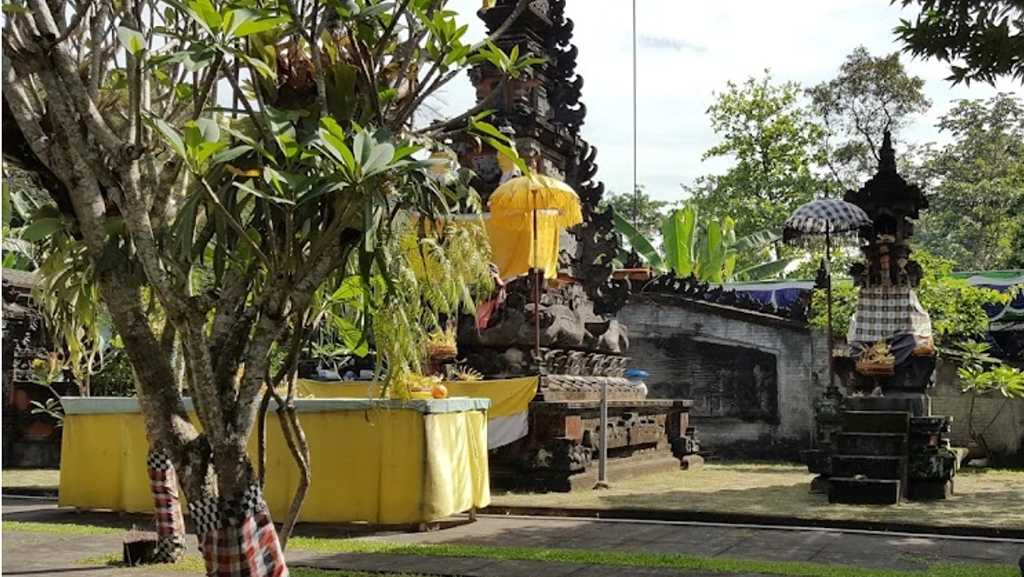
x,y
688,50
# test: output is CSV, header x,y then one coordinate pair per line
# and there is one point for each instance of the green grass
x,y
647,560
30,478
988,499
609,558
194,564
60,528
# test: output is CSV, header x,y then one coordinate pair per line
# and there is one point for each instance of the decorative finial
x,y
886,155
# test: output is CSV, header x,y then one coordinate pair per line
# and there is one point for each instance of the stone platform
x,y
560,452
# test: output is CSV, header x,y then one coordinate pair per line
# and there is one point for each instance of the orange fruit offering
x,y
439,391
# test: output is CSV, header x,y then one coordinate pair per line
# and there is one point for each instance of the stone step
x,y
853,491
872,444
871,467
917,404
876,421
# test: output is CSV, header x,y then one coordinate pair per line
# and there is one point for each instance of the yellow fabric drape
x,y
381,466
512,249
507,396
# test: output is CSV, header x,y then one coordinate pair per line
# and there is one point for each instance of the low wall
x,y
1004,418
753,377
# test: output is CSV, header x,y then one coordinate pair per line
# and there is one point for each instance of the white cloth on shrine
x,y
885,312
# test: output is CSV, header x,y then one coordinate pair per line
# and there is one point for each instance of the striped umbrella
x,y
832,218
827,216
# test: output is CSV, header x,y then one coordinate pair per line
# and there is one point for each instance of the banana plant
x,y
708,251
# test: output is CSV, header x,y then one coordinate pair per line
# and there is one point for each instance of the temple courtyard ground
x,y
40,539
988,500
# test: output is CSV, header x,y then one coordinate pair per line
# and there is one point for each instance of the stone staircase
x,y
870,463
890,449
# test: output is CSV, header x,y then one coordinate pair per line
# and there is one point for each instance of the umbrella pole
x,y
828,291
536,287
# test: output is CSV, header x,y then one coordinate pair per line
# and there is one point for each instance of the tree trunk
x,y
170,524
235,532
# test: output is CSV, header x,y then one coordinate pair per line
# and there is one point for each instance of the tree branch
x,y
76,20
234,224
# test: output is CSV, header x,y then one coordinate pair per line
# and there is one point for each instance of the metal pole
x,y
828,294
636,191
536,287
602,464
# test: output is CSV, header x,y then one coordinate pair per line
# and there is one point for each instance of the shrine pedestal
x,y
562,448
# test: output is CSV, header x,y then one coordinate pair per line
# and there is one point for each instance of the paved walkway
x,y
63,553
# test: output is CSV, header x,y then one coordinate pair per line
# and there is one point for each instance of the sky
x,y
687,50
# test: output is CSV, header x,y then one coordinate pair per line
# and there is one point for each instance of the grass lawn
x,y
194,564
984,498
589,557
31,478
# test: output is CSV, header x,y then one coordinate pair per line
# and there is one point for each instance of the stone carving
x,y
583,346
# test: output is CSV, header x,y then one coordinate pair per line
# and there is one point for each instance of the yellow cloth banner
x,y
508,396
381,466
512,248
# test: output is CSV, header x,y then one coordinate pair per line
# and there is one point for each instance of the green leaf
x,y
757,240
361,147
10,8
259,193
41,228
193,136
639,242
766,270
679,232
379,158
206,14
250,27
712,253
207,149
230,154
170,135
375,10
209,129
333,139
289,146
351,336
132,40
260,66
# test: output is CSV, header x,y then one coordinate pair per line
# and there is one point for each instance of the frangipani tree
x,y
708,251
229,158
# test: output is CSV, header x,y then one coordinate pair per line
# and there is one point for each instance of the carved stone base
x,y
564,442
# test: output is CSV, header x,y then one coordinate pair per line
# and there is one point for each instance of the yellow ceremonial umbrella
x,y
515,205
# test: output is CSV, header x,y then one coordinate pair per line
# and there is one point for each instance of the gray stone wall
x,y
1003,418
754,377
709,353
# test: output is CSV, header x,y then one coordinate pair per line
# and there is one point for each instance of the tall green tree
x,y
870,94
230,221
981,40
772,138
975,185
642,211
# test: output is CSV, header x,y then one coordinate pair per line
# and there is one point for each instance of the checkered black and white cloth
x,y
827,215
884,312
237,536
170,525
